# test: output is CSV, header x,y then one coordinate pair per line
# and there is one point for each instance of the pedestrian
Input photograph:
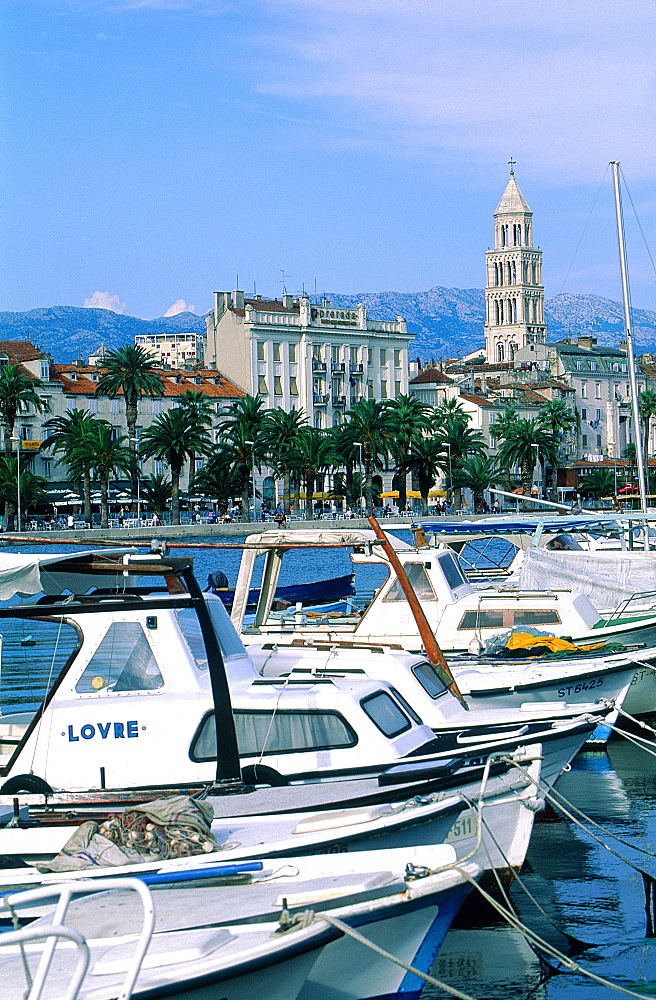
x,y
70,521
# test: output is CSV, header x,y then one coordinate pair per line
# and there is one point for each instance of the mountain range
x,y
447,322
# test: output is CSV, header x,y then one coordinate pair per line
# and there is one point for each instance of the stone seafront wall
x,y
204,532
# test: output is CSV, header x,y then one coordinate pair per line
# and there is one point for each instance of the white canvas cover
x,y
28,573
606,578
271,539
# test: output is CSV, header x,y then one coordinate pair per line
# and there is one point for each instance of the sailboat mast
x,y
626,303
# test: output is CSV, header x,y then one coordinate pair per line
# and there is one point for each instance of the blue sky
x,y
153,150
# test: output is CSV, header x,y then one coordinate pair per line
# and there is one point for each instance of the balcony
x,y
337,368
339,400
356,369
320,399
318,366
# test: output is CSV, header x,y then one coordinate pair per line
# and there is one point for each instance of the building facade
x,y
314,357
514,293
173,350
68,387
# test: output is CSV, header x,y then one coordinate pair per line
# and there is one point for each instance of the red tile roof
x,y
83,385
21,350
431,375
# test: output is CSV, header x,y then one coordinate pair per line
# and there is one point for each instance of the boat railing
x,y
625,606
61,894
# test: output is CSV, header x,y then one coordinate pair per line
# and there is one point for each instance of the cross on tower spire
x,y
511,164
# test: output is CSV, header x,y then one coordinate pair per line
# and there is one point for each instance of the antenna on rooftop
x,y
283,279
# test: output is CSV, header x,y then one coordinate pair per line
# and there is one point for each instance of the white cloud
x,y
103,300
179,306
564,86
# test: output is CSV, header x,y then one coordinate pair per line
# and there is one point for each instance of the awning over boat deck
x,y
518,525
30,573
313,537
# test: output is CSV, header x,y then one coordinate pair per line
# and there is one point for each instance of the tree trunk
x,y
9,433
527,475
403,490
368,491
245,493
104,500
478,501
349,499
131,414
86,492
175,494
309,490
286,480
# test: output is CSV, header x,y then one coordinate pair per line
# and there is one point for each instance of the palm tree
x,y
647,409
425,460
557,418
172,438
241,435
17,388
312,455
600,482
219,479
477,473
459,441
280,430
65,434
409,418
201,414
32,488
107,454
156,491
370,427
130,370
524,438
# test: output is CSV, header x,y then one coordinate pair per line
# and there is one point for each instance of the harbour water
x,y
585,889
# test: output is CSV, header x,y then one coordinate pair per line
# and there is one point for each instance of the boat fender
x,y
260,774
26,783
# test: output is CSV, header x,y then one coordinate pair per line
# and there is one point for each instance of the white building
x,y
317,358
176,350
514,293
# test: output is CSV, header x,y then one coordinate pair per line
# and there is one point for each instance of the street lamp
x,y
537,459
136,441
252,445
18,496
448,446
358,445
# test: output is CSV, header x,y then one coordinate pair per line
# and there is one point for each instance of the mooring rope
x,y
346,929
648,879
550,949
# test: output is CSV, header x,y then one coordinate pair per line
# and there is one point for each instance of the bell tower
x,y
514,293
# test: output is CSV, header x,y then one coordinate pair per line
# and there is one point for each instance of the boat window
x,y
385,714
481,619
419,581
507,618
33,654
123,661
229,642
429,679
537,617
452,572
408,708
190,628
262,733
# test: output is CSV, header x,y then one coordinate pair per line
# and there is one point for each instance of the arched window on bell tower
x,y
500,357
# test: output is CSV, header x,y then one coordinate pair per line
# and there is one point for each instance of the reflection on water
x,y
583,888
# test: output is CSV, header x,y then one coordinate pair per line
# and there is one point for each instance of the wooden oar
x,y
433,651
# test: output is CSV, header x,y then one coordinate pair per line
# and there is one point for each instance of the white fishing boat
x,y
276,932
152,683
462,618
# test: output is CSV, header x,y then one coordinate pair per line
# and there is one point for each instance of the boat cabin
x,y
147,682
